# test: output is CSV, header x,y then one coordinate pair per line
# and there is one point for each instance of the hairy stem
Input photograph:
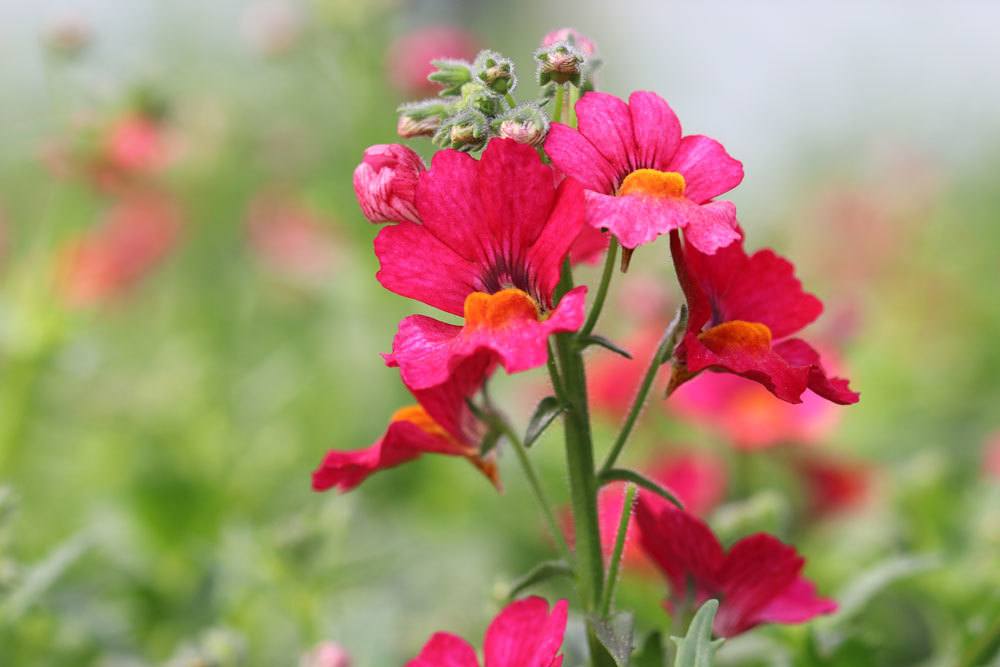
x,y
616,555
602,289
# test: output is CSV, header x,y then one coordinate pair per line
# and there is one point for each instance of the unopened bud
x,y
525,124
572,37
560,63
466,131
496,72
68,36
477,97
422,119
385,183
451,75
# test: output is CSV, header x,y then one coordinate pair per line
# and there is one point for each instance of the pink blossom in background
x,y
578,39
834,485
326,654
272,27
135,236
408,61
612,380
991,458
290,240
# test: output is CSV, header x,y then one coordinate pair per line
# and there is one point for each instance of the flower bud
x,y
525,124
68,36
572,37
466,131
496,72
477,97
386,183
422,119
559,63
451,75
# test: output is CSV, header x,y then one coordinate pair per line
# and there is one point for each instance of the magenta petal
x,y
635,219
525,634
656,129
680,544
445,650
565,224
605,121
711,226
797,604
415,264
427,351
797,352
449,205
576,157
708,169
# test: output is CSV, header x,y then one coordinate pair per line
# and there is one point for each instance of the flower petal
x,y
606,123
656,129
636,220
445,650
564,226
708,169
797,352
711,226
525,634
573,154
681,545
415,264
449,206
797,604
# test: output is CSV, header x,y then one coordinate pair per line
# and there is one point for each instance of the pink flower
x,y
612,380
574,37
642,178
524,634
833,485
135,144
136,235
326,654
492,239
747,414
991,460
440,423
289,239
759,580
385,183
742,309
409,58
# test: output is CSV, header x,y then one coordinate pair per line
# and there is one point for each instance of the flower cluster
x,y
494,241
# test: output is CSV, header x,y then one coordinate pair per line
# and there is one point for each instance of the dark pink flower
x,y
386,183
439,423
492,237
409,58
833,485
136,235
642,178
741,311
574,37
524,634
759,580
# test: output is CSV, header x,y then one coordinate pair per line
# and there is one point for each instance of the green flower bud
x,y
424,118
478,97
559,63
451,75
525,124
466,131
496,72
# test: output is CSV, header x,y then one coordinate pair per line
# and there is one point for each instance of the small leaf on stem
x,y
544,571
594,339
546,412
616,633
696,649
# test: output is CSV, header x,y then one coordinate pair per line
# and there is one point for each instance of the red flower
x,y
833,485
386,183
409,58
492,237
440,423
758,581
642,178
137,234
524,634
738,306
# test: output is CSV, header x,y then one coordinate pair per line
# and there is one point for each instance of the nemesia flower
x,y
644,179
524,634
326,654
408,61
386,183
135,143
441,422
833,485
136,235
741,311
289,239
489,247
991,461
574,37
612,379
747,414
758,580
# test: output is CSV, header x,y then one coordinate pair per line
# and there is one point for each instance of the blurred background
x,y
189,320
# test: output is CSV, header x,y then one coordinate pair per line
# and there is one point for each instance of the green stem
x,y
537,489
616,555
510,100
557,106
574,95
602,289
663,352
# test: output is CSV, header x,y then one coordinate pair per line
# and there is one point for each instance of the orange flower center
x,y
653,183
416,415
737,335
495,311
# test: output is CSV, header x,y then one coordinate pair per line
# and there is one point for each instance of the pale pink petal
x,y
525,634
656,129
415,264
635,219
589,246
445,650
708,169
577,157
606,123
797,604
712,226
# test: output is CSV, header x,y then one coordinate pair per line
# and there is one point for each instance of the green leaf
x,y
546,412
544,571
489,441
616,634
696,649
651,653
594,339
623,475
41,576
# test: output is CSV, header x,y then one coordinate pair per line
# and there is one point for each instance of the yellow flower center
x,y
494,311
737,335
653,183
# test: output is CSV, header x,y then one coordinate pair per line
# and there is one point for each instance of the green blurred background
x,y
156,442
